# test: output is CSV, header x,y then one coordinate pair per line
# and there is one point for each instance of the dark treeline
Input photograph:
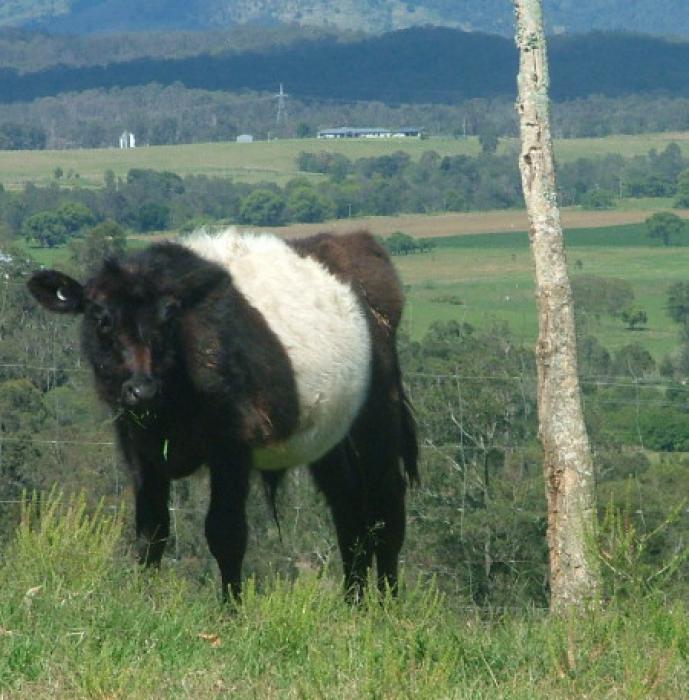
x,y
410,66
147,200
175,114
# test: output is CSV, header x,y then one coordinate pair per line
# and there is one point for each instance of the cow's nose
x,y
138,390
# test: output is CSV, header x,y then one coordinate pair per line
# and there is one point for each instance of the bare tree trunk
x,y
568,468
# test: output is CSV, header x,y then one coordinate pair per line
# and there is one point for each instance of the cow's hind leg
x,y
337,476
226,526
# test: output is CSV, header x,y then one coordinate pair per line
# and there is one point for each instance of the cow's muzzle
x,y
139,391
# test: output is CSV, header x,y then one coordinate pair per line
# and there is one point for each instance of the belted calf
x,y
246,351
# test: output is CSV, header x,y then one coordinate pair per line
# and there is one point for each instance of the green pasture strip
x,y
276,160
626,235
644,204
273,161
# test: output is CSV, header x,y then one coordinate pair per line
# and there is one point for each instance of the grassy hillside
x,y
276,160
78,620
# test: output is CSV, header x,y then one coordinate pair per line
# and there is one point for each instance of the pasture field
x,y
275,160
79,620
489,277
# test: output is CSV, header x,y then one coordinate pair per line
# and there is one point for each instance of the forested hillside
x,y
415,65
658,16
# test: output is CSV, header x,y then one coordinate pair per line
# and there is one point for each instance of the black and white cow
x,y
246,351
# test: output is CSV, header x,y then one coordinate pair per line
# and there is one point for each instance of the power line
x,y
281,97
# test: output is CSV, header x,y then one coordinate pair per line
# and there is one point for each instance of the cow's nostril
x,y
135,392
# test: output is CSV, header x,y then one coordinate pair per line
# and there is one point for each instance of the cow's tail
x,y
271,482
409,445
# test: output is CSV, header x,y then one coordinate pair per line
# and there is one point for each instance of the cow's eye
x,y
167,309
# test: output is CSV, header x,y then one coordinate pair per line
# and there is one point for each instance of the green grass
x,y
78,620
493,275
624,236
275,160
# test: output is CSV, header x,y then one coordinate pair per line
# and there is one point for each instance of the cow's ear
x,y
57,292
195,286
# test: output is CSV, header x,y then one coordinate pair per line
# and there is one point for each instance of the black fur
x,y
195,376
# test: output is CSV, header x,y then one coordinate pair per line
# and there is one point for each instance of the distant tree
x,y
19,137
665,429
425,245
594,359
678,303
262,207
23,413
598,198
488,139
164,131
339,167
75,216
634,317
306,205
387,166
153,216
666,226
400,243
99,242
46,229
153,182
633,360
304,130
682,189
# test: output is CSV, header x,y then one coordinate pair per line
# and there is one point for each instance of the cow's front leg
x,y
226,527
152,515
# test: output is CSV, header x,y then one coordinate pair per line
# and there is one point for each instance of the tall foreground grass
x,y
78,619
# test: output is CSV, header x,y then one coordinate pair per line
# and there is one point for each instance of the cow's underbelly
x,y
320,323
304,447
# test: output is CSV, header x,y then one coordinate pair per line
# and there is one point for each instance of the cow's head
x,y
130,330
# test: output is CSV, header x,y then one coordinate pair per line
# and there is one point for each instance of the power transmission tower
x,y
281,97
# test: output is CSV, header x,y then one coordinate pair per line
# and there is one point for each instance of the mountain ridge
x,y
412,65
664,17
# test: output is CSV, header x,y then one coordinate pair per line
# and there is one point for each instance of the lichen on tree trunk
x,y
567,456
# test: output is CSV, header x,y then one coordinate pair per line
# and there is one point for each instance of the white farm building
x,y
127,140
351,132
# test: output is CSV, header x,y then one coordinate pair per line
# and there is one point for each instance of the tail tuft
x,y
271,483
410,445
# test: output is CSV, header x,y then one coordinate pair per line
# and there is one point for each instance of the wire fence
x,y
66,444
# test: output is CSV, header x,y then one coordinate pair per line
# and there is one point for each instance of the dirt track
x,y
421,225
